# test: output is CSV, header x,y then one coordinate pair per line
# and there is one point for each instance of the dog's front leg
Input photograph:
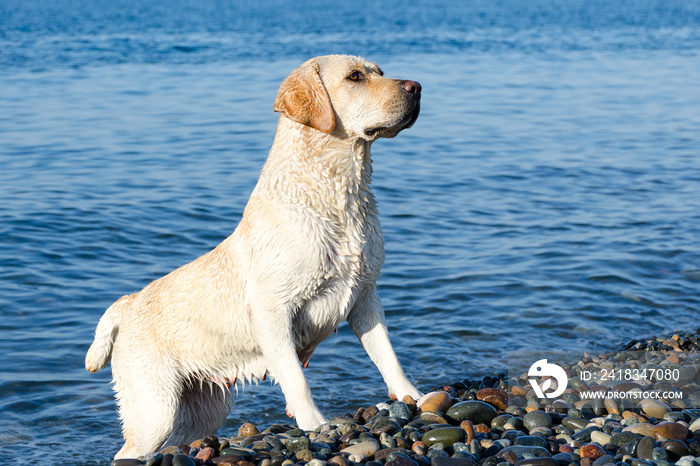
x,y
274,328
369,325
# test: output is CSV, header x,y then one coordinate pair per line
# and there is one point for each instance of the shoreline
x,y
637,405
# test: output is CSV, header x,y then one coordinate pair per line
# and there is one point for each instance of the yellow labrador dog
x,y
305,257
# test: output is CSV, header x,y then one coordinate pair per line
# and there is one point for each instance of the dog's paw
x,y
310,421
397,393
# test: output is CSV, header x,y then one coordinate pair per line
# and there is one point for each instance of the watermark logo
x,y
544,369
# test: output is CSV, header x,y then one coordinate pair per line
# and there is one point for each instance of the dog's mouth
x,y
392,130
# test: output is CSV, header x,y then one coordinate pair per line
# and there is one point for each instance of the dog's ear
x,y
303,98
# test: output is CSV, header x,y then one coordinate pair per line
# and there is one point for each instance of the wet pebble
x,y
127,462
439,401
574,423
670,431
538,462
478,412
531,441
644,448
521,450
591,451
654,408
536,418
400,410
445,461
366,449
675,449
247,429
183,460
601,438
445,435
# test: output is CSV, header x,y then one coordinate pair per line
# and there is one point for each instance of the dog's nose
x,y
412,87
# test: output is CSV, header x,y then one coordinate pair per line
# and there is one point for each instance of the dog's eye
x,y
355,76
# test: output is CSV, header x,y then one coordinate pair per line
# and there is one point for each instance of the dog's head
x,y
349,97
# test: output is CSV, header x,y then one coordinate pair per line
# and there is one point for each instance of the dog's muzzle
x,y
412,91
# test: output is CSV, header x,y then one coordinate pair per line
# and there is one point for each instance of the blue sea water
x,y
547,197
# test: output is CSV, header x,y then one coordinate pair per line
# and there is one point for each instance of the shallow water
x,y
548,196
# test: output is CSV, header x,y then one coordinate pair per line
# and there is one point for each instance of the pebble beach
x,y
497,421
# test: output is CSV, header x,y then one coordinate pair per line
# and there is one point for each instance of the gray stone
x,y
246,453
605,459
659,453
399,410
401,460
434,453
685,461
443,461
521,450
126,462
537,418
530,441
695,426
153,459
629,448
298,444
644,448
183,460
538,462
584,435
564,458
623,438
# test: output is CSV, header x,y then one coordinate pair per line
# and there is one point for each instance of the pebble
x,y
445,435
574,423
538,462
298,444
642,428
623,437
521,450
644,448
695,426
439,401
592,451
536,418
247,430
183,460
400,410
675,449
605,459
611,406
531,441
670,431
478,412
654,408
601,438
468,428
126,462
444,461
205,454
367,449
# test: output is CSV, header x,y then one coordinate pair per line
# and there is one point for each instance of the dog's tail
x,y
100,351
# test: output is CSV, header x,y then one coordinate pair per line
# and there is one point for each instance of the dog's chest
x,y
351,254
354,243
